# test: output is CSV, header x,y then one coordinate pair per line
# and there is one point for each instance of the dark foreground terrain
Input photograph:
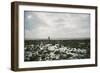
x,y
48,50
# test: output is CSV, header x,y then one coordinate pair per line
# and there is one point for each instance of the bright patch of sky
x,y
40,25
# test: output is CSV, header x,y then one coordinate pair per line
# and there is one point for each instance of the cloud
x,y
40,25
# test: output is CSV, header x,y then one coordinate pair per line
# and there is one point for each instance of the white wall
x,y
5,32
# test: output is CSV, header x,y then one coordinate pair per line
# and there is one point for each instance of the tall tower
x,y
49,38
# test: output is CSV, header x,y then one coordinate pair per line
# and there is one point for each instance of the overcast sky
x,y
40,25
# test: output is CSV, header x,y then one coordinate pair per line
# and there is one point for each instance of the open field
x,y
48,50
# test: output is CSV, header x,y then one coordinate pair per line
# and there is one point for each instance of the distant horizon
x,y
61,39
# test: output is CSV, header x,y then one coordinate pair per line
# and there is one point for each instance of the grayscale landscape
x,y
52,36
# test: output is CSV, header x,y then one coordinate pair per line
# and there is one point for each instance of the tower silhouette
x,y
49,38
